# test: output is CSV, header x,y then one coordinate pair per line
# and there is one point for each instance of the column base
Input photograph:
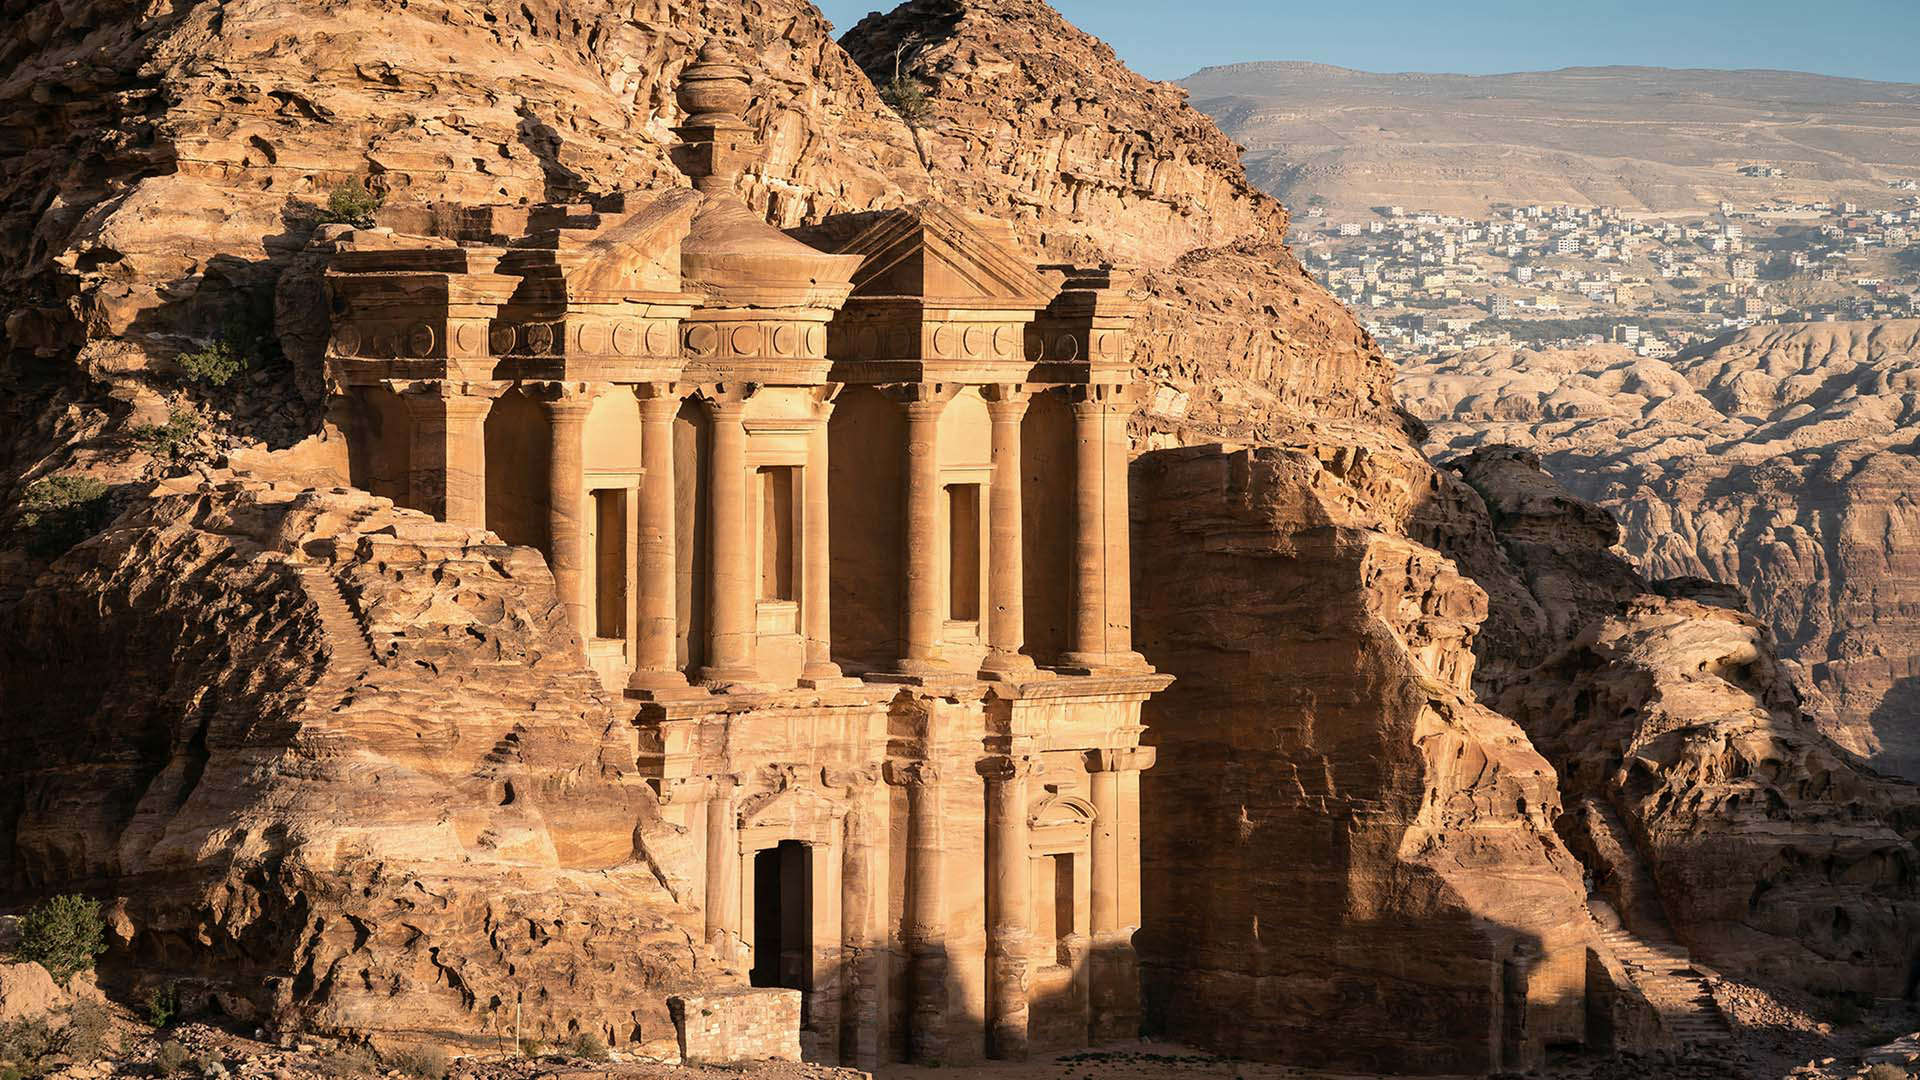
x,y
1082,663
723,676
1008,667
682,692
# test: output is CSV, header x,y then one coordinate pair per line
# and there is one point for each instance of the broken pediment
x,y
942,258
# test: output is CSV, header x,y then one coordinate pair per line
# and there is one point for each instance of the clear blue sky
x,y
1865,39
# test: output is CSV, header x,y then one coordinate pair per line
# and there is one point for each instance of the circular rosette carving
x,y
467,338
701,339
420,340
816,340
539,338
626,338
746,340
500,339
346,340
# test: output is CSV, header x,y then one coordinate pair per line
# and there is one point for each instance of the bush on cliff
x,y
63,935
60,511
351,204
214,365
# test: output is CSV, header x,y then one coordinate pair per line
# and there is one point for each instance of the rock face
x,y
1394,872
342,766
1034,121
1705,801
1778,458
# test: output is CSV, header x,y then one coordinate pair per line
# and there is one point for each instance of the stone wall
x,y
747,1024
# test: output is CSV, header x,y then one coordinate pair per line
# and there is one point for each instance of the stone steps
x,y
341,621
1664,974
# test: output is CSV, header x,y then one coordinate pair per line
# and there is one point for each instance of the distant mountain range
x,y
1657,139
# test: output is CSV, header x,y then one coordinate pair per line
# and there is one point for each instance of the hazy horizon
x,y
1840,38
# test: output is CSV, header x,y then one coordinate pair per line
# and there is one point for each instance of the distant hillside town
x,y
1426,283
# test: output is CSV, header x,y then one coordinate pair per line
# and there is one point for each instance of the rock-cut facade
x,y
841,516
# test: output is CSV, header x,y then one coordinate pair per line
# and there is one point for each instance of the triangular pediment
x,y
931,253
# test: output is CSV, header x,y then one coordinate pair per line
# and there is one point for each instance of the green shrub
x,y
214,365
531,1047
85,1035
171,441
420,1062
171,1058
908,96
163,1004
63,935
351,204
60,511
588,1045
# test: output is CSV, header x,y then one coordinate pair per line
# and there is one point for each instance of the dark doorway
x,y
782,916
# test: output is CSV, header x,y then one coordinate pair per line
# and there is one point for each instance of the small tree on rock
x,y
63,935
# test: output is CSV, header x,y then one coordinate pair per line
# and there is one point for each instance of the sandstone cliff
x,y
340,765
1705,801
1382,845
1032,120
1778,458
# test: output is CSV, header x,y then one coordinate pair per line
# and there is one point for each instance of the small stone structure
x,y
729,1026
846,519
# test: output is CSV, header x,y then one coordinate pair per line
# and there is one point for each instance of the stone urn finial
x,y
716,143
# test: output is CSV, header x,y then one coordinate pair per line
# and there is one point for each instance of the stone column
x,y
447,449
925,930
920,594
863,912
722,902
567,405
816,574
732,636
1006,617
1009,900
1114,993
656,653
1100,634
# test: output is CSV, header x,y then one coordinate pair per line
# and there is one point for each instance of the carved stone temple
x,y
845,520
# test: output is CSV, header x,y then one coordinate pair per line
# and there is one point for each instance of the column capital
x,y
1121,759
1006,400
924,399
1101,396
726,397
655,395
686,789
565,400
421,392
1007,768
901,773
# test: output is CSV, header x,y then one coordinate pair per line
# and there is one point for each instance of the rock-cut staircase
x,y
1660,967
1664,974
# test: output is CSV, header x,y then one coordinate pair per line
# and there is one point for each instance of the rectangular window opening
x,y
777,548
610,563
963,548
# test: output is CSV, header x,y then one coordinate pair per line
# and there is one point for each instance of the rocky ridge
x,y
1778,459
234,740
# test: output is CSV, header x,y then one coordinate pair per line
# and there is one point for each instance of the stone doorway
x,y
783,916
